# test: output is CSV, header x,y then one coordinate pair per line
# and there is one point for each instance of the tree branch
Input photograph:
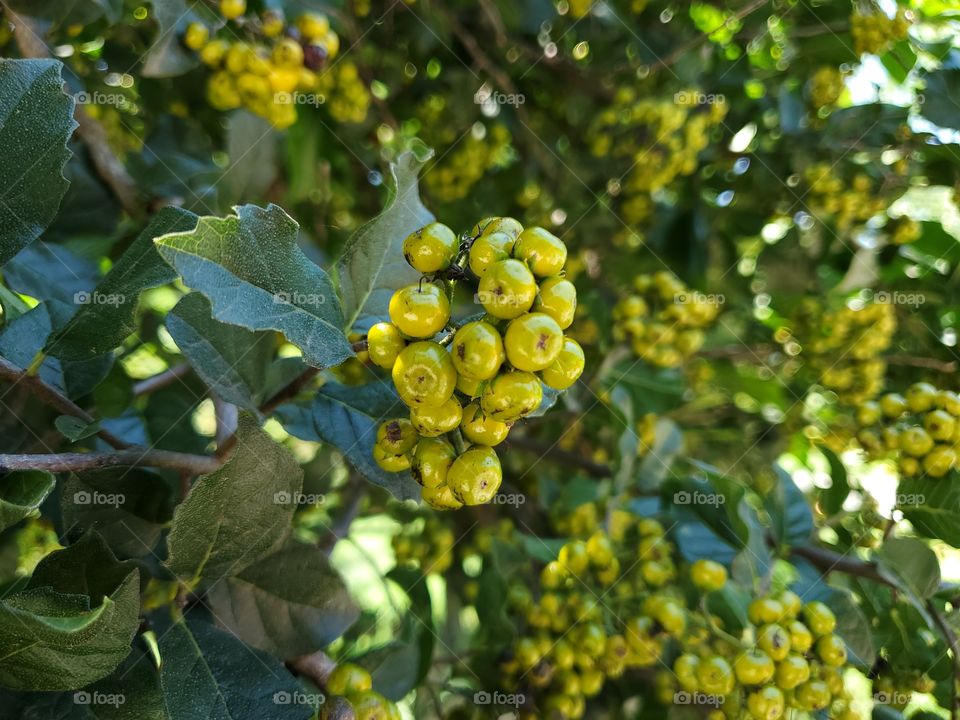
x,y
316,667
161,380
828,560
52,397
132,457
564,457
951,639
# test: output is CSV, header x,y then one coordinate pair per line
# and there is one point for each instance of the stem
x,y
34,367
828,561
52,397
161,380
951,639
131,457
564,457
315,666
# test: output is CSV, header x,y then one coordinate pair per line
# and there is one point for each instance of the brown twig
x,y
132,457
922,362
161,380
950,638
564,457
683,50
830,561
52,397
316,667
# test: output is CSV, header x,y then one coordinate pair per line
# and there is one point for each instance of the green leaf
x,y
238,514
131,692
21,494
941,98
24,337
832,498
255,276
289,603
73,624
233,361
372,266
107,315
789,511
911,565
347,417
899,60
77,12
128,508
852,624
932,506
167,56
210,675
36,120
74,429
253,159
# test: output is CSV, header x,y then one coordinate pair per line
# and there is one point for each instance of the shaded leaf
x,y
209,674
347,418
73,624
128,508
36,120
21,494
289,603
372,266
238,514
233,361
107,315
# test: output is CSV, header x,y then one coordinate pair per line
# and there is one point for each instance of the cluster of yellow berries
x,y
848,204
661,139
482,150
428,547
573,644
897,689
786,659
263,64
845,346
664,320
874,32
826,86
466,385
646,433
350,688
904,231
920,428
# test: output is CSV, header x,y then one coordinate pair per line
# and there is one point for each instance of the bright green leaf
x,y
255,275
